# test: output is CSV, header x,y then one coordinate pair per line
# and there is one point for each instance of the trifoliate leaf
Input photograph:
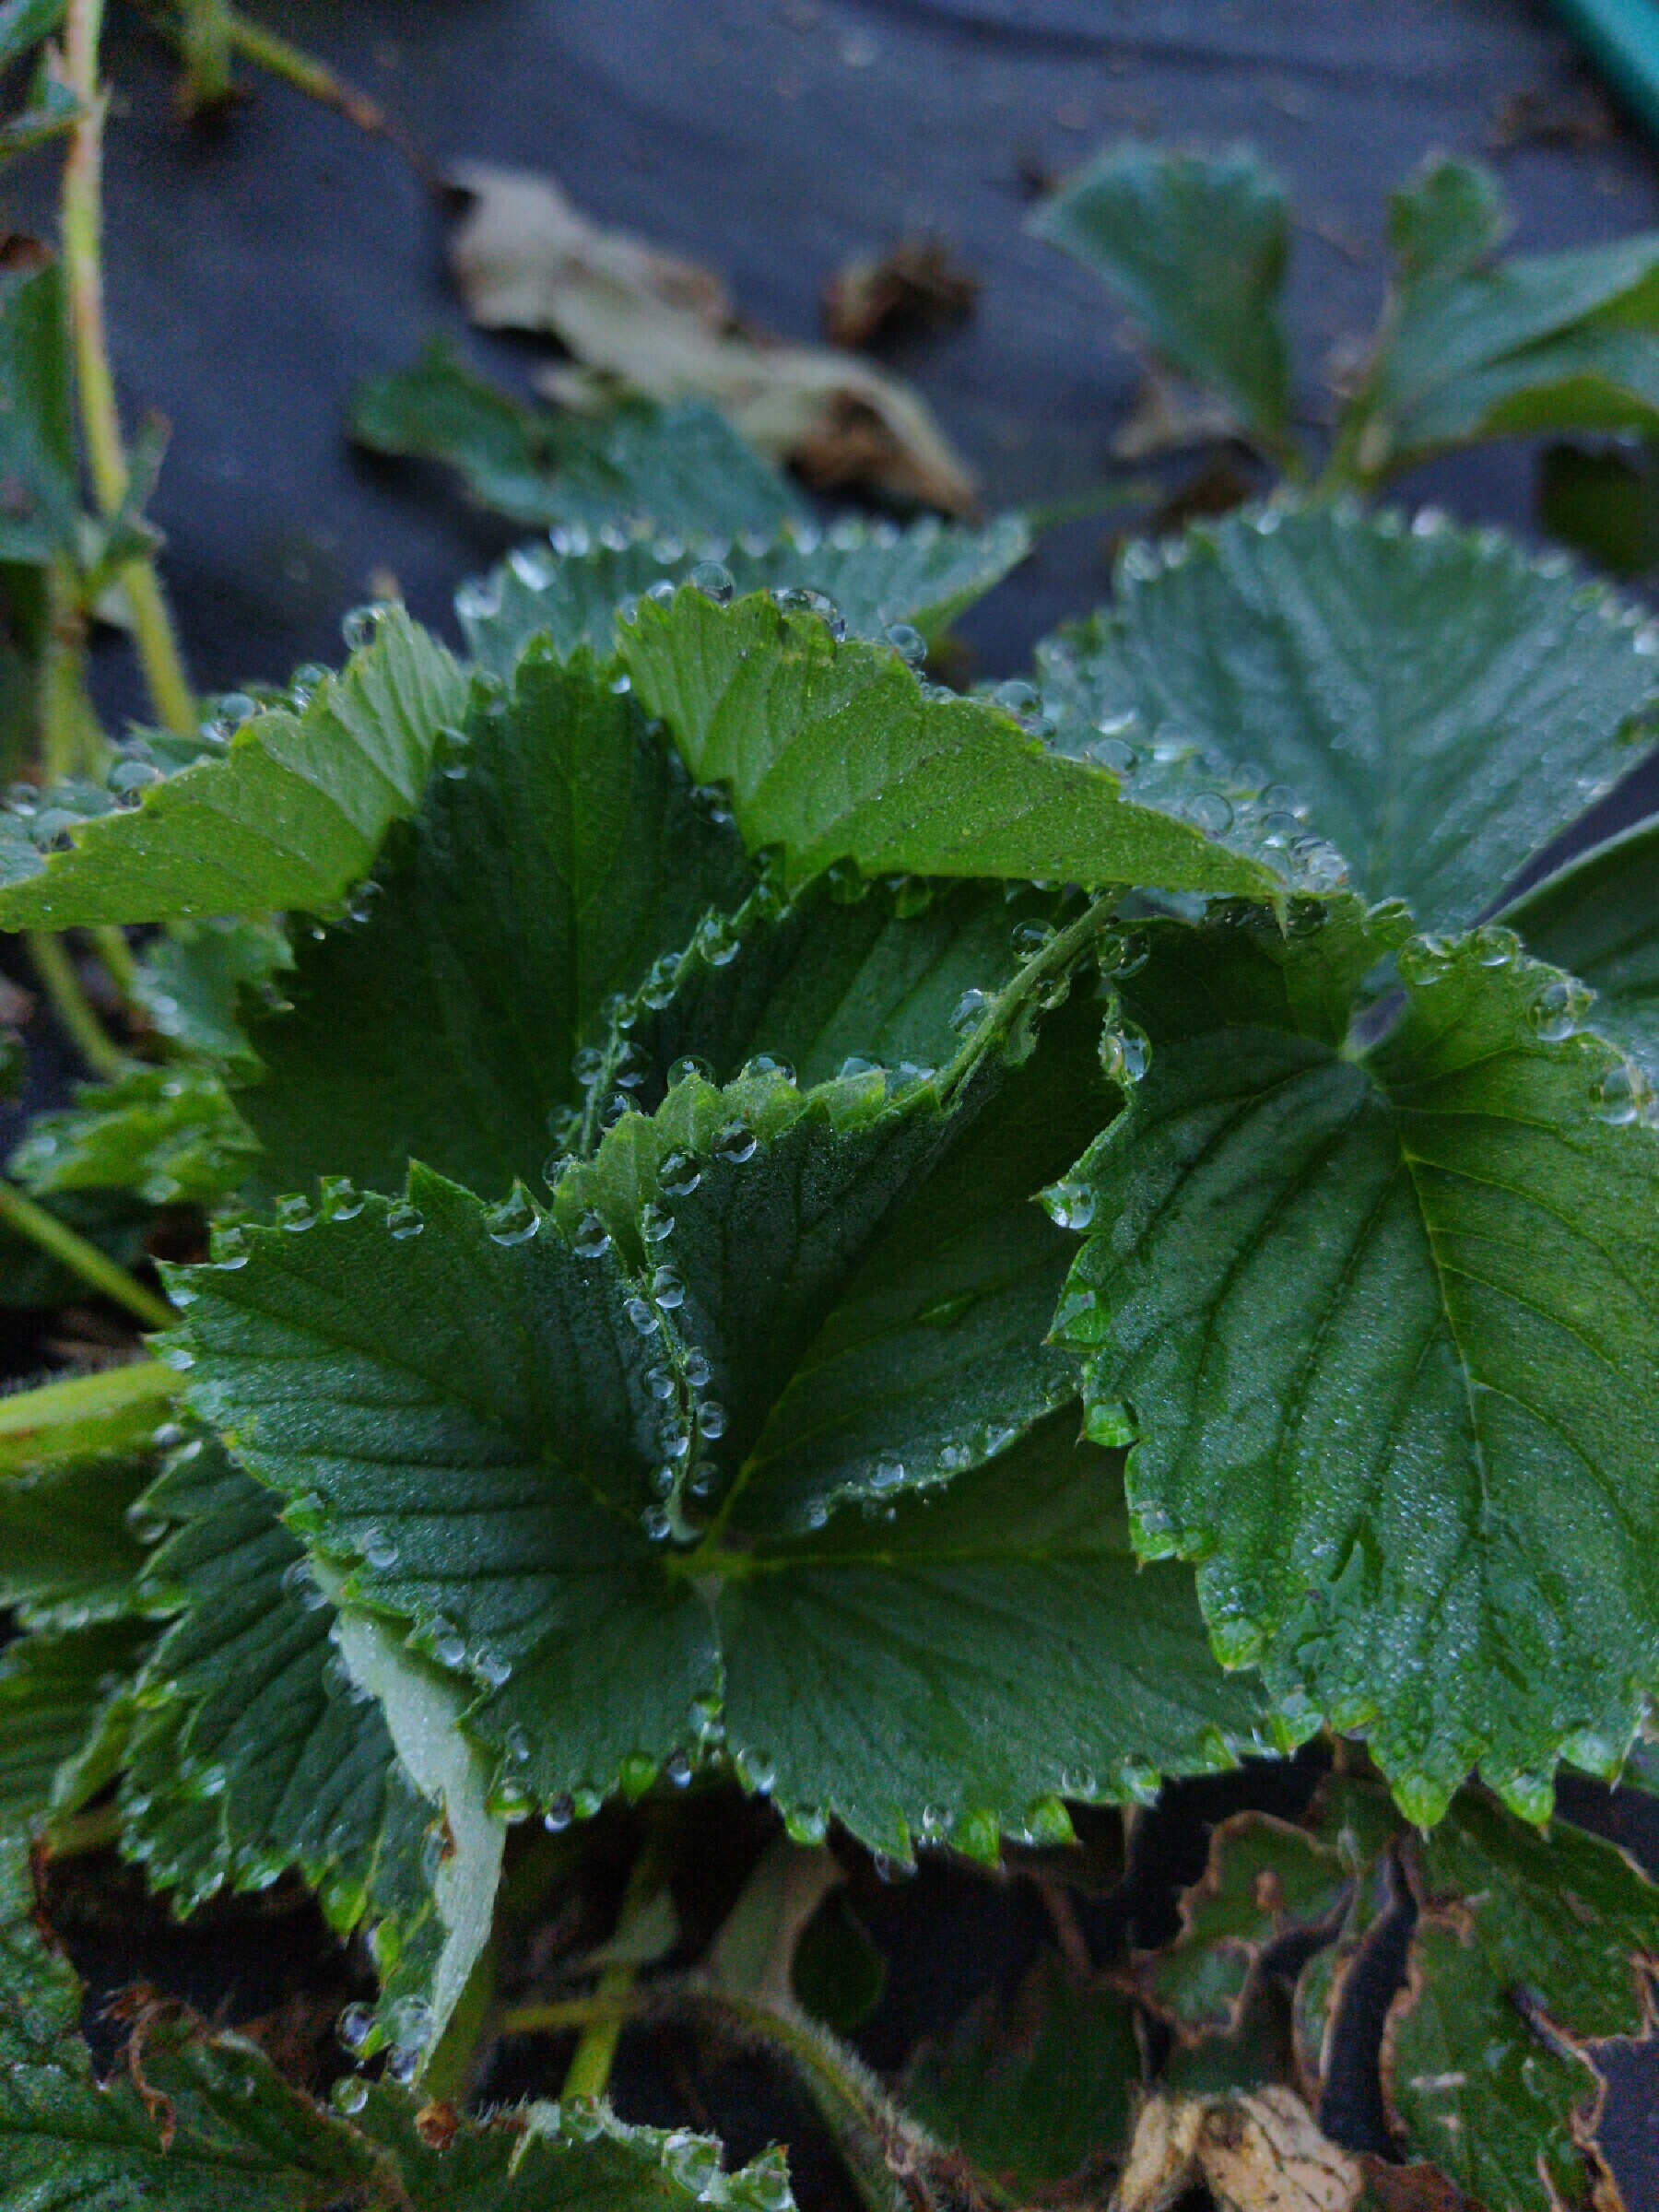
x,y
171,1133
1598,917
192,976
874,574
1527,1950
835,752
1037,2091
57,1691
68,1553
1384,1321
508,1479
682,467
291,816
442,1026
1435,703
40,513
276,1737
1476,348
1198,248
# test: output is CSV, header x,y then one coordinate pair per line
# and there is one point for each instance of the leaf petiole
x,y
70,1004
96,1268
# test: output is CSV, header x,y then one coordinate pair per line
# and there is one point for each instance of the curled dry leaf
x,y
526,258
918,284
1255,2153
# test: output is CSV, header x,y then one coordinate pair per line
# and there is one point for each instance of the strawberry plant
x,y
860,1270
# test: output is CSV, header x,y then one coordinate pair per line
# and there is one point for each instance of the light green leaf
x,y
1475,348
1197,247
291,817
192,975
58,1692
1037,2091
493,1480
112,1410
40,512
834,752
1527,1950
1384,1321
442,1026
171,1133
682,467
875,574
1598,917
1436,703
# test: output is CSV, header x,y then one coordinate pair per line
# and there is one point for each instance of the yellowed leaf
x,y
1255,2153
526,258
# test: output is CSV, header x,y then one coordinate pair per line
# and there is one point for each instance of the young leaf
x,y
876,575
834,752
1527,1952
1036,2092
680,466
192,978
291,816
1434,702
1384,1323
40,512
57,1691
443,1025
168,1133
1474,349
1198,249
1598,917
547,1392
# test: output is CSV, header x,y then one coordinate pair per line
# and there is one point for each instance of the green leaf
x,y
1527,1949
291,817
1475,348
1598,917
40,481
1265,1880
54,110
58,1692
112,1410
443,1025
1197,247
116,1221
67,1551
1434,702
1037,2092
1383,1319
493,1477
192,978
171,1133
834,752
23,23
281,1733
875,574
683,466
1604,502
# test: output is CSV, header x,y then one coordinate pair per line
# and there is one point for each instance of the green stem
x,y
280,57
82,1258
449,2074
69,1002
84,1415
117,956
596,2051
71,742
1116,491
82,224
206,42
1065,948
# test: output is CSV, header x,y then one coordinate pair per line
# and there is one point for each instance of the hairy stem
x,y
82,221
71,741
1066,946
73,1009
94,1268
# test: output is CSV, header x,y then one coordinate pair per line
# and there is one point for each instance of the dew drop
x,y
350,2095
515,1220
1070,1204
682,1071
698,1370
714,580
354,2028
734,1143
710,1419
1619,1097
379,1550
558,1814
667,1289
908,642
404,1221
641,1314
1558,1010
659,1382
592,1238
657,1524
967,1010
1211,813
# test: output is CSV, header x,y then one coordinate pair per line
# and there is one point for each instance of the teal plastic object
x,y
1622,38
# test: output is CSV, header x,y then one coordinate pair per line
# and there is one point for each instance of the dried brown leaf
x,y
1255,2153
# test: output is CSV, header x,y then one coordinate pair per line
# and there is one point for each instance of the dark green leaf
x,y
1474,349
54,111
1198,249
1604,503
443,1025
834,752
1598,917
838,1973
40,484
116,1221
171,1133
291,817
875,574
58,1695
1433,702
1039,2090
682,467
23,23
67,1551
1385,1320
